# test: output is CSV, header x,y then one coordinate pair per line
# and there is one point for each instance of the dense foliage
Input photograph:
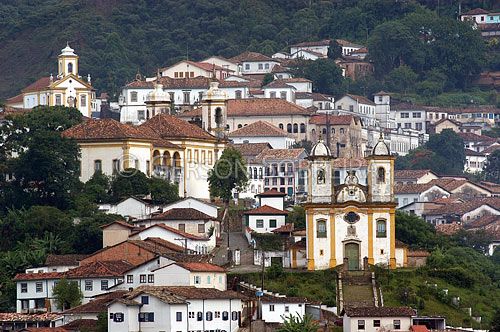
x,y
444,154
67,294
116,38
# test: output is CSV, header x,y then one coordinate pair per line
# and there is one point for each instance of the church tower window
x,y
381,228
321,229
218,117
381,175
321,176
70,68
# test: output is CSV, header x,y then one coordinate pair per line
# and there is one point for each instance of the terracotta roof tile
x,y
119,222
64,260
271,193
251,57
461,208
413,174
279,83
165,244
346,43
39,276
287,228
176,231
180,294
81,325
99,269
259,129
471,137
16,317
476,11
380,312
419,328
413,188
281,154
491,149
8,111
448,229
15,99
418,253
251,149
182,214
45,329
200,267
171,127
361,99
333,119
265,210
40,84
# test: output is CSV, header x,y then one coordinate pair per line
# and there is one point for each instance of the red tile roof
x,y
97,305
270,193
15,99
89,325
176,231
41,84
259,129
182,214
251,149
418,253
412,174
39,276
476,11
251,57
471,137
200,267
99,269
361,99
171,127
280,154
64,260
333,119
119,222
265,210
44,329
16,317
448,229
109,129
419,328
287,228
156,241
380,312
413,188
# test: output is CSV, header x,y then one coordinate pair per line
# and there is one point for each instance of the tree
x,y
129,182
97,188
268,78
401,79
334,50
324,73
229,174
298,324
492,168
297,216
449,149
67,294
495,323
415,231
163,191
44,163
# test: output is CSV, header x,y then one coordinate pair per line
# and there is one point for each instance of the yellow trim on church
x,y
333,259
310,241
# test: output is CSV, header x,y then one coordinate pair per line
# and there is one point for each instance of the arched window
x,y
260,172
341,130
324,131
289,127
218,117
255,172
333,130
240,126
295,128
381,175
250,172
280,126
302,128
209,315
313,132
321,228
238,94
70,68
381,228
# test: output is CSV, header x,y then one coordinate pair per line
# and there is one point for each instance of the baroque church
x,y
350,223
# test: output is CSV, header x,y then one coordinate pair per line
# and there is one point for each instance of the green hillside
x,y
115,38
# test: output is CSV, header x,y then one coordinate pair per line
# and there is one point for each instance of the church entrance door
x,y
352,254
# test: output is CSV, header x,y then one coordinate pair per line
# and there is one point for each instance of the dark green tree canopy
x,y
492,169
67,294
228,174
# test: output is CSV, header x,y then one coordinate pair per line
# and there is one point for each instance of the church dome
x,y
68,51
381,149
158,95
320,150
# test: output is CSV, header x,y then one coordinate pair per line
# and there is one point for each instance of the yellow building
x,y
351,223
66,89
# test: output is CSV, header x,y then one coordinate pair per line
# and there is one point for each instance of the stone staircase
x,y
357,289
237,240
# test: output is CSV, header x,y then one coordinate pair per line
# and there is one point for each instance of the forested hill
x,y
115,38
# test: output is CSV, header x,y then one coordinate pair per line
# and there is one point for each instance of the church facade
x,y
349,222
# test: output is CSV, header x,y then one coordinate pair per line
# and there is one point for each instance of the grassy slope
x,y
483,299
320,286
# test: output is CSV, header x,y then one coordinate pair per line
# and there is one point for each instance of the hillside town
x,y
228,194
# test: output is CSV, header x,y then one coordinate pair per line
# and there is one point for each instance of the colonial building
x,y
66,89
348,222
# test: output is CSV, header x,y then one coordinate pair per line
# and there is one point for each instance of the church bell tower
x,y
67,62
214,110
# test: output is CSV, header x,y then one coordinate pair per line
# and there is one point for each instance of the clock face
x,y
351,217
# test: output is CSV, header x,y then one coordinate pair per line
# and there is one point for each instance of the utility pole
x,y
185,244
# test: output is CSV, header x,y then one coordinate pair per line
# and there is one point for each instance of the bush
x,y
456,276
275,271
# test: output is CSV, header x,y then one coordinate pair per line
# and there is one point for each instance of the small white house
x,y
179,309
373,319
276,308
265,219
196,274
131,207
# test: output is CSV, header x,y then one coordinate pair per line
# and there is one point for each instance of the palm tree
x,y
299,324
